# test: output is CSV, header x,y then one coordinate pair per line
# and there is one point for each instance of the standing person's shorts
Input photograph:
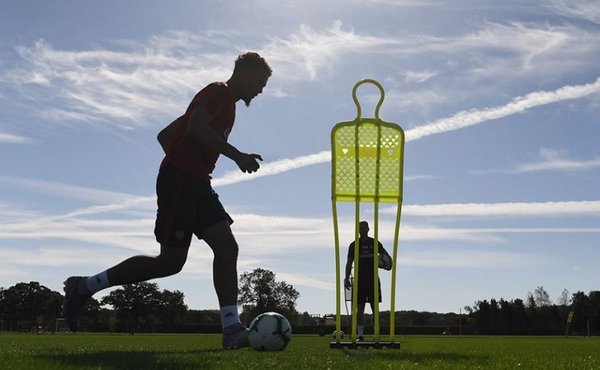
x,y
186,206
365,290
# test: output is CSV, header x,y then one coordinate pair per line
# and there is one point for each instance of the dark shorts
x,y
186,206
365,290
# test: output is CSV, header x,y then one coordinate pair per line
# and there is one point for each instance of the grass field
x,y
203,351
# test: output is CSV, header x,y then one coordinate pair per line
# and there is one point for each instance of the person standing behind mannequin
x,y
365,292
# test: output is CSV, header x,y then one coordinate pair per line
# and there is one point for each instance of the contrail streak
x,y
473,117
458,121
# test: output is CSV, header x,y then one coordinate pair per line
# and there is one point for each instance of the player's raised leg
x,y
78,289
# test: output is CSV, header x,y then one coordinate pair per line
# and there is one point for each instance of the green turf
x,y
199,351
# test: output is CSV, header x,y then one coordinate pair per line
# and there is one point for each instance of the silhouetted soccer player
x,y
365,292
187,204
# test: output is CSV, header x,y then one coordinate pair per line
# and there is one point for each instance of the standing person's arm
x,y
349,261
384,252
200,130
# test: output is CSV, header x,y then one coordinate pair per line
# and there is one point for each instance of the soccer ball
x,y
385,262
335,332
270,331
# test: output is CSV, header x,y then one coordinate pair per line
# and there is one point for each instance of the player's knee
x,y
176,266
172,264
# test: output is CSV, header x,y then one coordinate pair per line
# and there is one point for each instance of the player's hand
x,y
248,162
347,283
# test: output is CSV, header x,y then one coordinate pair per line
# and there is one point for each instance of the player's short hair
x,y
252,61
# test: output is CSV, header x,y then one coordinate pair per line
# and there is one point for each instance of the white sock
x,y
361,330
229,316
97,282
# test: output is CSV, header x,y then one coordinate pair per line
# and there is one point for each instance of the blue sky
x,y
499,102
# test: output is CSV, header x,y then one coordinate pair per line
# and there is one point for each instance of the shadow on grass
x,y
413,358
150,359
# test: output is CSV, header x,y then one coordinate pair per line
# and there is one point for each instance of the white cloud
x,y
269,235
131,85
473,117
66,190
458,121
472,259
274,168
269,238
551,160
13,139
532,209
135,84
583,9
306,280
418,76
402,3
307,52
423,101
555,160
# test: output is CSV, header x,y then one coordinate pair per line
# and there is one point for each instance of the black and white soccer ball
x,y
334,334
385,261
270,331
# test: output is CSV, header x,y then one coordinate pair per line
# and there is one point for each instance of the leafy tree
x,y
28,304
594,310
586,309
541,297
482,314
143,303
531,305
259,292
581,308
172,309
564,300
520,320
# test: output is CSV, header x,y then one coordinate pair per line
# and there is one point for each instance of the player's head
x,y
363,229
251,72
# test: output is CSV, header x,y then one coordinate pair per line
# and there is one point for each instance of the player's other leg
x,y
78,289
360,320
225,249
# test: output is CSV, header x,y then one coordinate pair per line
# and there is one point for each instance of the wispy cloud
x,y
306,280
472,259
130,85
458,121
276,234
555,160
310,51
550,160
66,190
269,239
583,9
274,168
418,76
402,3
517,105
543,209
13,139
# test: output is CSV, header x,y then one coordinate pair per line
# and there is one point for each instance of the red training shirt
x,y
187,155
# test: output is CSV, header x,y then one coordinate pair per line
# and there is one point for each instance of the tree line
x,y
577,315
143,307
